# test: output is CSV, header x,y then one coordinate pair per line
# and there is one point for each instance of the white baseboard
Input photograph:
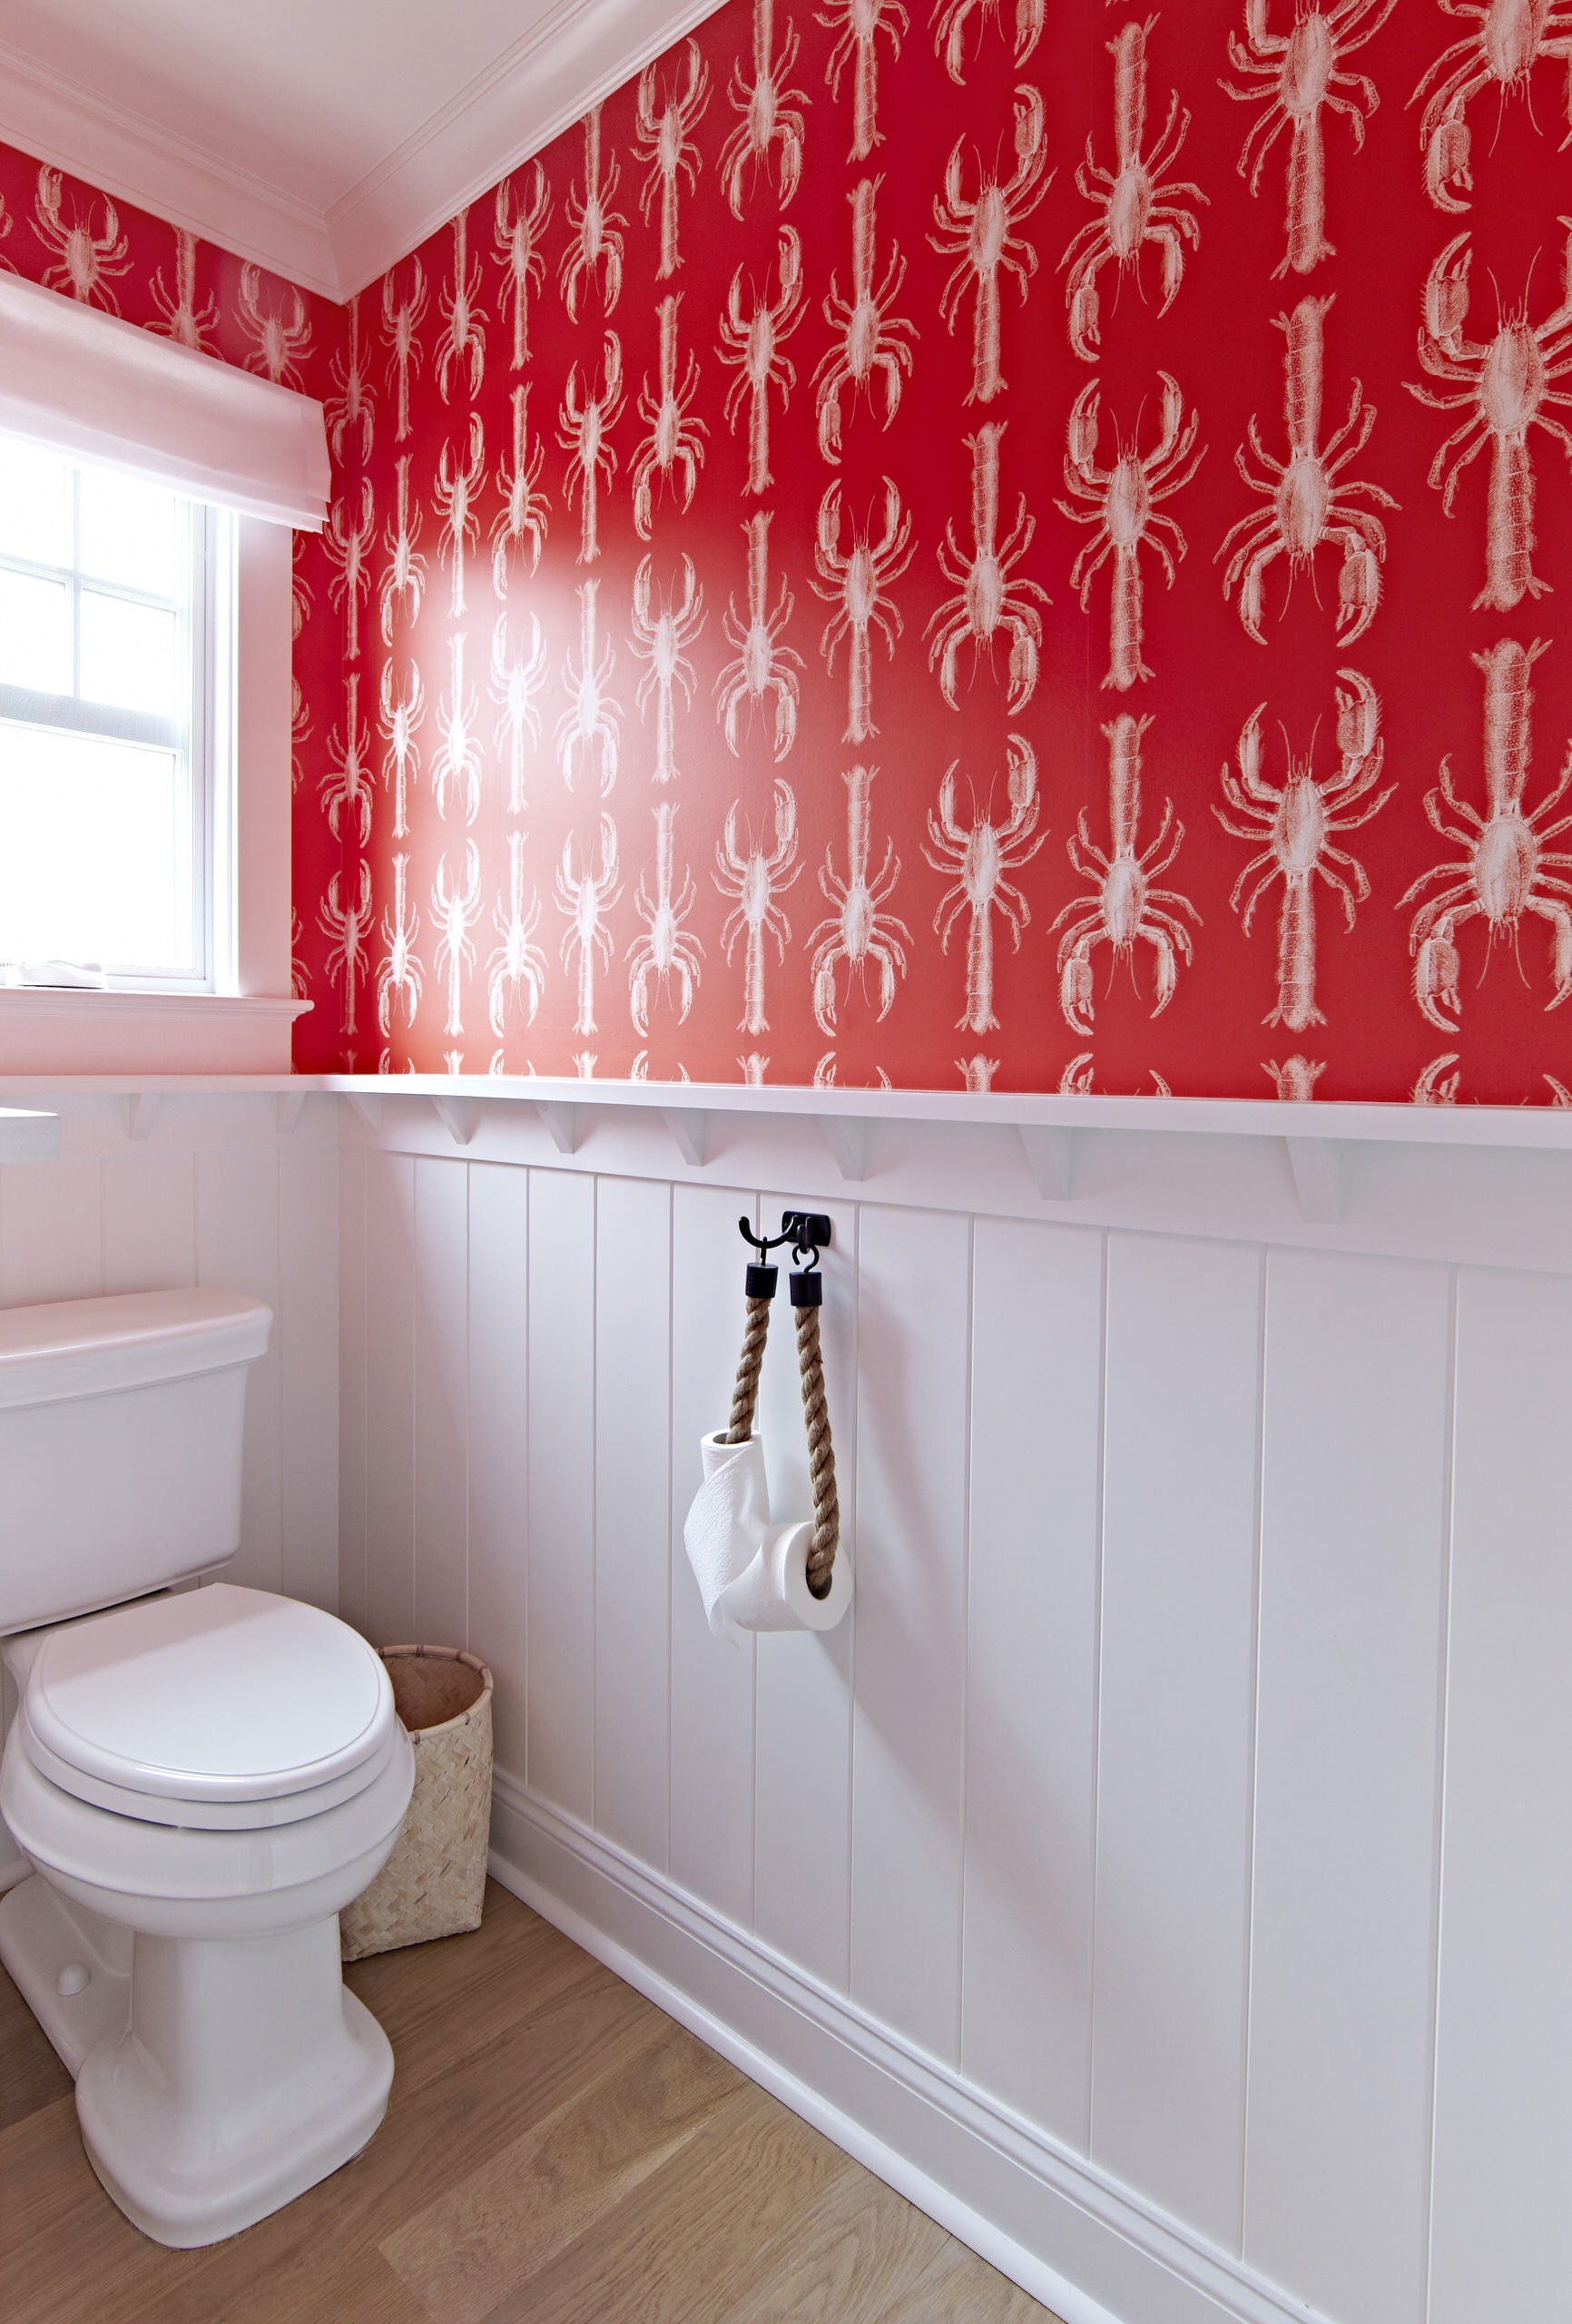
x,y
1073,2238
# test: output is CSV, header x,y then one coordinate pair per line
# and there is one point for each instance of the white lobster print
x,y
870,339
949,22
859,932
662,632
346,793
458,487
1295,1078
455,911
1507,868
401,320
515,972
582,432
595,251
399,715
1122,501
1505,387
587,732
673,451
990,598
1312,502
461,342
1127,907
280,333
981,233
299,731
586,896
978,854
1513,36
1299,823
755,877
184,321
525,508
770,115
1298,74
765,670
855,581
401,979
666,949
350,927
347,549
86,258
860,24
1137,202
457,761
665,145
517,675
403,575
351,412
519,222
977,1073
753,343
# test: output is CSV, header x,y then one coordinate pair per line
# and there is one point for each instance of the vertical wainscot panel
x,y
352,1371
1031,1669
1503,2152
441,1401
149,1220
389,1397
914,1319
309,1349
1179,1541
237,1249
51,1231
562,1478
802,1864
1353,1537
713,1700
499,1445
632,1515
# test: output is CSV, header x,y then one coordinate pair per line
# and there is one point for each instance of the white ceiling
x,y
322,137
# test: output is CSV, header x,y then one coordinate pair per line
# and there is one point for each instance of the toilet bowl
x,y
201,1779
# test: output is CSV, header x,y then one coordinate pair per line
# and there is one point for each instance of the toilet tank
x,y
122,1422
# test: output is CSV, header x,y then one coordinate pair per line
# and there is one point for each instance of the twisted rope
x,y
821,1455
746,1395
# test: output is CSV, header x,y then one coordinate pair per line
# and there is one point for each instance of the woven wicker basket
x,y
433,1883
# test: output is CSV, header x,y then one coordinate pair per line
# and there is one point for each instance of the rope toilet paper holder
x,y
754,1574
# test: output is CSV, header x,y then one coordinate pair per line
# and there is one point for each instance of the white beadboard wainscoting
x,y
152,1190
1165,1874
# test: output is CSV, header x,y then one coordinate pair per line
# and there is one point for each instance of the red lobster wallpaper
x,y
1020,547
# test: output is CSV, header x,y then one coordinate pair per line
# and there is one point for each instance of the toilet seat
x,y
218,1710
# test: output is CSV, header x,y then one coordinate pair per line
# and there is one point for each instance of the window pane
x,y
129,655
34,505
35,634
94,860
130,533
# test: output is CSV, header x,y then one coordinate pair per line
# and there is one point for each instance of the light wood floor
x,y
556,2151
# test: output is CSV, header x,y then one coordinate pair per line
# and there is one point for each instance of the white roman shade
x,y
101,390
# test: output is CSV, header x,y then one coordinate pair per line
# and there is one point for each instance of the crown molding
x,y
573,56
132,160
578,52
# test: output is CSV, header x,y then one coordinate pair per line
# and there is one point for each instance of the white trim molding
x,y
52,1036
1066,2231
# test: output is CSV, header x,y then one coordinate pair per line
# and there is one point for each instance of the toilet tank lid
x,y
89,1347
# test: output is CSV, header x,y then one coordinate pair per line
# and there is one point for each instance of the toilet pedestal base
x,y
216,2078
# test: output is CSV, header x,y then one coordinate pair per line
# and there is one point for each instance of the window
x,y
115,604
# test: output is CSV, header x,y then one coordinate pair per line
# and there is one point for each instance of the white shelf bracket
x,y
459,1117
141,1115
847,1139
368,1109
288,1107
690,1128
1051,1159
1316,1167
561,1123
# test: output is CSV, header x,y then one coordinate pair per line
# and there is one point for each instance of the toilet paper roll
x,y
772,1593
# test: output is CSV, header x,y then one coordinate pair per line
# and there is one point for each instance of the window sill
x,y
47,1031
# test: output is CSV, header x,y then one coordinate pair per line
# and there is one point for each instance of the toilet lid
x,y
221,1694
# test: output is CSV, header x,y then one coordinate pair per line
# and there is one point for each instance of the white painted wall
x,y
1166,1872
210,1190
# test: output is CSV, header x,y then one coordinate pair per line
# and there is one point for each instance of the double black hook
x,y
808,1231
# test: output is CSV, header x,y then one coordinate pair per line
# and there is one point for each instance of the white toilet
x,y
200,1780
